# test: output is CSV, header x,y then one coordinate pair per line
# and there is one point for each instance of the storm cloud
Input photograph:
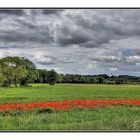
x,y
12,12
84,41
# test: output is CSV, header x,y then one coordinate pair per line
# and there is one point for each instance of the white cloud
x,y
133,59
113,69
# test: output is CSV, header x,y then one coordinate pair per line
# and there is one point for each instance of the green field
x,y
99,118
43,92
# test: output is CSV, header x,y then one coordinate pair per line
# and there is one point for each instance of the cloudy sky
x,y
84,41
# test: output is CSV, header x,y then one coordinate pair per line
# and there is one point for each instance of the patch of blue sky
x,y
127,52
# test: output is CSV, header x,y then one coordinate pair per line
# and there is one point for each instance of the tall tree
x,y
52,77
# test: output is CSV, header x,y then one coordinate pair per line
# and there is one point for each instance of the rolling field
x,y
126,117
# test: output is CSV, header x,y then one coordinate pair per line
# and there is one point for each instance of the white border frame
x,y
69,3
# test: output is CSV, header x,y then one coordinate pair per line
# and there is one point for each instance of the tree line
x,y
89,79
19,71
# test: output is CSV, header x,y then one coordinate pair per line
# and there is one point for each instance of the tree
x,y
60,78
52,77
16,70
119,81
19,73
43,74
8,77
100,80
32,74
1,77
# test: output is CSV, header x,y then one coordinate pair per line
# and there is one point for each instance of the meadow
x,y
111,118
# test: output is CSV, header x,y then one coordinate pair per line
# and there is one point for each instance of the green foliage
x,y
100,80
15,70
119,81
1,77
19,73
43,76
52,77
5,83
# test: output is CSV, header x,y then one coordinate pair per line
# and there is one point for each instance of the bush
x,y
5,83
119,81
100,80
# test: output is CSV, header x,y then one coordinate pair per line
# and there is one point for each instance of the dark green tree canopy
x,y
52,77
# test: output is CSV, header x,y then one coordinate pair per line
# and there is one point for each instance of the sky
x,y
78,41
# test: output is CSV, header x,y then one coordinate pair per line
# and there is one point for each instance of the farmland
x,y
120,117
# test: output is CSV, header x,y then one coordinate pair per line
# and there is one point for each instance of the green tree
x,y
60,78
100,80
1,77
52,77
7,72
32,72
119,81
43,74
17,70
19,73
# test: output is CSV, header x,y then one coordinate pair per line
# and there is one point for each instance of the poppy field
x,y
70,107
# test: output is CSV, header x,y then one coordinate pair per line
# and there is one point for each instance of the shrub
x,y
119,81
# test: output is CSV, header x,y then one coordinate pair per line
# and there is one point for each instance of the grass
x,y
93,119
44,92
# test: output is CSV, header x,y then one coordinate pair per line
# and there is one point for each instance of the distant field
x,y
98,118
44,92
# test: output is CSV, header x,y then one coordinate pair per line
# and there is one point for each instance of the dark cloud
x,y
69,36
51,11
85,41
26,24
12,12
23,37
45,63
72,40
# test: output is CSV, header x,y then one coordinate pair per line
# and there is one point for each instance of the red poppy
x,y
68,104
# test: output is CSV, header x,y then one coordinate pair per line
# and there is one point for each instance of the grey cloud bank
x,y
84,41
